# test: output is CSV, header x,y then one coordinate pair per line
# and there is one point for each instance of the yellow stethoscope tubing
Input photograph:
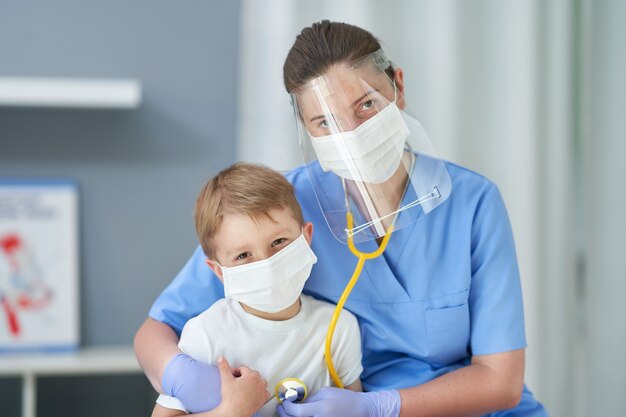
x,y
362,257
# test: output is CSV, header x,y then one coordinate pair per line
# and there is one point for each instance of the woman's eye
x,y
323,124
242,256
366,109
278,241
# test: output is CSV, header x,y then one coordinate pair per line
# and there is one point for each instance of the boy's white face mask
x,y
272,284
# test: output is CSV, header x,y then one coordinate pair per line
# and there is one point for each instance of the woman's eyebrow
x,y
367,93
354,103
322,116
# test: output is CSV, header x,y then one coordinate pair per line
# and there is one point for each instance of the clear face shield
x,y
364,153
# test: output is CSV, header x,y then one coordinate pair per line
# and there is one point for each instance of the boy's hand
x,y
243,390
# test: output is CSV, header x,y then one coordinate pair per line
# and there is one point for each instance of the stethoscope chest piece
x,y
292,390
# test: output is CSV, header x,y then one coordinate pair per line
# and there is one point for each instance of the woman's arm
x,y
243,393
492,382
155,345
170,371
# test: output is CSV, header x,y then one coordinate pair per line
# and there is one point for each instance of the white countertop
x,y
90,360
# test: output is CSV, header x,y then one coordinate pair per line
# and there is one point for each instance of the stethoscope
x,y
292,390
295,390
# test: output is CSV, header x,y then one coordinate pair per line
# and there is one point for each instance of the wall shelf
x,y
96,93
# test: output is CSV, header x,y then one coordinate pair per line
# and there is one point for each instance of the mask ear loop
x,y
225,281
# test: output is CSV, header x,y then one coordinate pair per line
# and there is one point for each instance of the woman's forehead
x,y
338,89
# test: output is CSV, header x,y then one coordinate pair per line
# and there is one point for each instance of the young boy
x,y
251,229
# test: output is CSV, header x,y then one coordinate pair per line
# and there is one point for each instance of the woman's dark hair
x,y
324,44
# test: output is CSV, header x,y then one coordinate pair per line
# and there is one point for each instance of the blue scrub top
x,y
447,287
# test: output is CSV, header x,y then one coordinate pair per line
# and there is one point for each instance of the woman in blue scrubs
x,y
440,312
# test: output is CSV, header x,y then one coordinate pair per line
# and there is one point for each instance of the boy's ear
x,y
307,231
215,268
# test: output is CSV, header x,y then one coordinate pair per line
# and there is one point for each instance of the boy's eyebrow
x,y
237,250
281,231
242,248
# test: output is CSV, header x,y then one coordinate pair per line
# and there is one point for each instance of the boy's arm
x,y
160,411
346,351
356,386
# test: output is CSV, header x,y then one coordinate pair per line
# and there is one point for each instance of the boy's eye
x,y
278,241
242,256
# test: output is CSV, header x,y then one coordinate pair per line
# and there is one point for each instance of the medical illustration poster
x,y
38,266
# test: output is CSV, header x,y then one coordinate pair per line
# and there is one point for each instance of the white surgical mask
x,y
370,153
272,284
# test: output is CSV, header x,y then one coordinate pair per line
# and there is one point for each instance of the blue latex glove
x,y
336,402
196,384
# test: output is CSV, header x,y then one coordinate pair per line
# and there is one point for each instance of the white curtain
x,y
530,94
603,198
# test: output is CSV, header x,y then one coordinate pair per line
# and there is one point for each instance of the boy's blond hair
x,y
243,188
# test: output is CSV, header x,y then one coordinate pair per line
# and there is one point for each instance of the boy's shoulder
x,y
322,312
216,314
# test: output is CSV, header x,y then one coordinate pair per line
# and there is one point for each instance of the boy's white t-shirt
x,y
291,348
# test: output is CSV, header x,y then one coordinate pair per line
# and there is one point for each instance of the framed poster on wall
x,y
39,264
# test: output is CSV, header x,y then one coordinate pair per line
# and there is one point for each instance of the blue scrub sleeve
x,y
495,299
192,291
